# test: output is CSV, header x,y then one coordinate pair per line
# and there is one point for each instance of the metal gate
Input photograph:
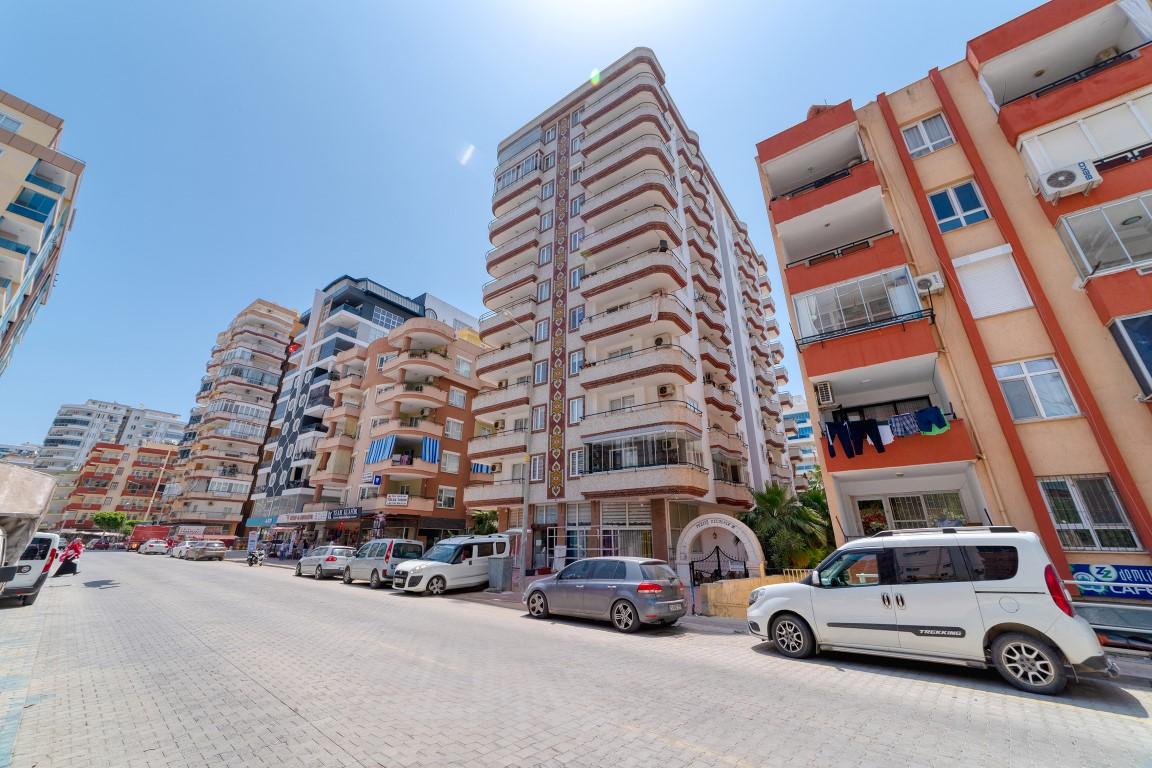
x,y
717,565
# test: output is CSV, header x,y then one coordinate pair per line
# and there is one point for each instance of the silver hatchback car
x,y
627,591
325,561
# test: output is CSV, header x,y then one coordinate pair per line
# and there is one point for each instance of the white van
x,y
973,596
39,561
376,561
459,561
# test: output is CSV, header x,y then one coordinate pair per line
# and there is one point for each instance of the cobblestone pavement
x,y
148,661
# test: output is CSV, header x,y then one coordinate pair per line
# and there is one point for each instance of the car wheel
x,y
374,580
792,637
1029,663
29,599
298,571
347,575
318,574
437,585
538,605
624,616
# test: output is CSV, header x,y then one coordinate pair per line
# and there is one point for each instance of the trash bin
x,y
499,574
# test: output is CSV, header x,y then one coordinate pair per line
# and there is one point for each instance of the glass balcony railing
x,y
40,181
12,245
29,213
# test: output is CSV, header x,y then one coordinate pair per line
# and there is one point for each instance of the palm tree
x,y
484,521
793,534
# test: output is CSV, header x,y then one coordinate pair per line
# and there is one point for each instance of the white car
x,y
180,549
40,560
154,547
976,596
459,561
324,561
376,561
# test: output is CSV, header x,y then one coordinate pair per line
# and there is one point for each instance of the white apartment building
x,y
77,428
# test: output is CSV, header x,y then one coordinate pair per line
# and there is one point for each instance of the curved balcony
x,y
498,444
733,494
348,382
511,354
508,323
404,466
617,100
709,285
415,395
636,233
500,493
644,273
422,332
776,348
517,285
399,502
420,363
656,314
515,193
500,399
716,356
516,222
785,399
724,399
728,442
641,190
700,250
772,327
693,164
699,216
696,190
645,153
775,438
677,413
637,367
514,253
713,329
781,374
645,117
669,481
770,405
760,352
340,441
405,425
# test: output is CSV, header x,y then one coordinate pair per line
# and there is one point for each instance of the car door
x,y
853,603
478,571
376,559
358,567
566,594
601,585
937,612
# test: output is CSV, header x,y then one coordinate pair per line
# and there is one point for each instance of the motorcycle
x,y
256,558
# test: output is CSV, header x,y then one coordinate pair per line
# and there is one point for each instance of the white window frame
x,y
539,418
575,318
463,366
576,143
446,459
546,221
549,161
543,291
1072,243
575,205
927,147
576,116
543,330
540,372
536,468
575,410
960,215
575,239
575,277
544,255
9,123
1087,523
547,190
575,362
576,462
457,397
443,494
577,173
1026,377
550,134
453,429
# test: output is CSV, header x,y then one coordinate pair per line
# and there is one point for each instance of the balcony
x,y
528,185
414,395
517,285
776,438
514,253
620,98
501,399
661,412
399,502
701,252
839,185
498,444
494,360
725,399
781,374
715,356
500,493
697,191
657,315
419,363
641,190
348,382
898,337
646,153
786,399
666,481
955,445
728,442
642,365
647,117
318,405
771,405
339,441
733,494
776,348
509,323
644,274
405,466
406,425
516,222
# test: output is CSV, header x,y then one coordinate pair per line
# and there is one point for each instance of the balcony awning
x,y
380,449
430,450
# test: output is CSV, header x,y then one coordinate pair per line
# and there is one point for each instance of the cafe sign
x,y
1130,581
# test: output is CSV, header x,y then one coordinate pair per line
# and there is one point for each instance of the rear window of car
x,y
214,545
407,551
342,551
992,563
657,571
37,549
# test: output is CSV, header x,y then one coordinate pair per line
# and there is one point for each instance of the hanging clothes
x,y
903,425
868,428
886,437
931,421
838,430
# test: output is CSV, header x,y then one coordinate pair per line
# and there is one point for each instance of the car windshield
x,y
657,571
342,551
441,553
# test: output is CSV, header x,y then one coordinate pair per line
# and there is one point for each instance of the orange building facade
x,y
118,478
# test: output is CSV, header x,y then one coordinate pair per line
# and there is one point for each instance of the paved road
x,y
148,661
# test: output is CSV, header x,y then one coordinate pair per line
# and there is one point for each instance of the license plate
x,y
676,606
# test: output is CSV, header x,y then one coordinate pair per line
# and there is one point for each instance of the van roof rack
x,y
959,529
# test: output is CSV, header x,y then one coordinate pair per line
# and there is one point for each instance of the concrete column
x,y
660,532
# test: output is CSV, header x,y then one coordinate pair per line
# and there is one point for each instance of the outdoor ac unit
x,y
1080,177
425,411
430,380
824,395
502,384
664,390
499,425
497,467
928,283
659,341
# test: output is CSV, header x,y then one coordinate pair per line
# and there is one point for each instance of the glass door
x,y
873,517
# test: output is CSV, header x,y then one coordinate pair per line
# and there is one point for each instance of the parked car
x,y
324,561
627,591
972,596
459,561
180,549
206,550
154,547
376,561
38,562
100,544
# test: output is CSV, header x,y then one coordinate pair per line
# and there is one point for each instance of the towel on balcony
x,y
931,421
886,437
903,425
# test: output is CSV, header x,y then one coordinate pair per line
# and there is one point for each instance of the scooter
x,y
256,558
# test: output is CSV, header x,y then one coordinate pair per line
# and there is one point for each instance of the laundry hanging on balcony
x,y
430,450
481,469
903,425
380,450
931,421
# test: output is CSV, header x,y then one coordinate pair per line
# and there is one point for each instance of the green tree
x,y
112,522
484,521
793,534
815,498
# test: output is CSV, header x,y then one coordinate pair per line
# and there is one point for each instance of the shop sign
x,y
189,530
303,517
253,539
261,522
1130,581
376,479
345,513
396,500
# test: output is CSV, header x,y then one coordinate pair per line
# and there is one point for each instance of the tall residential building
x,y
220,451
968,262
119,478
77,428
395,452
38,186
800,436
348,313
635,358
22,454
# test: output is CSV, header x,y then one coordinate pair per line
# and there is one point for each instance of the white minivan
x,y
376,561
459,561
976,596
40,560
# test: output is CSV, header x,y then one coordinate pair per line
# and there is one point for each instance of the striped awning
x,y
380,450
481,469
430,450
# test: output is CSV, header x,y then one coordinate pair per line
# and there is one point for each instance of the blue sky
x,y
241,149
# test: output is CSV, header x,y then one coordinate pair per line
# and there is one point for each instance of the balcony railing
x,y
907,317
44,183
1083,74
27,212
12,245
842,250
823,181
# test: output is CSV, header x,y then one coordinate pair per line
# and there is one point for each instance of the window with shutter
x,y
991,283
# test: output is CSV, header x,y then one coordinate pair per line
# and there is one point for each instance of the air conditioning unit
x,y
1069,180
824,395
659,341
928,283
497,467
1106,54
498,425
425,411
430,380
665,390
502,384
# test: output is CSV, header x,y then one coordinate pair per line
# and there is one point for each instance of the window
x,y
992,285
575,276
1112,236
575,361
992,563
543,290
615,570
540,372
545,255
550,134
1112,131
446,497
575,239
536,468
920,565
620,403
386,318
656,449
575,410
450,462
927,136
854,568
575,572
577,173
454,429
9,123
576,117
577,142
1035,389
456,397
576,204
547,190
575,462
463,366
1134,336
539,418
958,206
575,317
859,303
549,160
546,221
520,425
1088,513
542,327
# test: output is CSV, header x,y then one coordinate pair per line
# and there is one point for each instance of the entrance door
x,y
854,605
936,608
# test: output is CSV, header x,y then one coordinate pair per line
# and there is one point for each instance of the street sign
x,y
376,479
1130,581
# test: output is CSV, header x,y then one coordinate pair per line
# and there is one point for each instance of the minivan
x,y
459,561
39,561
376,561
975,596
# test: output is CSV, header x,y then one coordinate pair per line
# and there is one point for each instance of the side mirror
x,y
814,578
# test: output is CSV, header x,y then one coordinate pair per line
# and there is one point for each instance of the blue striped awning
x,y
380,450
481,469
430,450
